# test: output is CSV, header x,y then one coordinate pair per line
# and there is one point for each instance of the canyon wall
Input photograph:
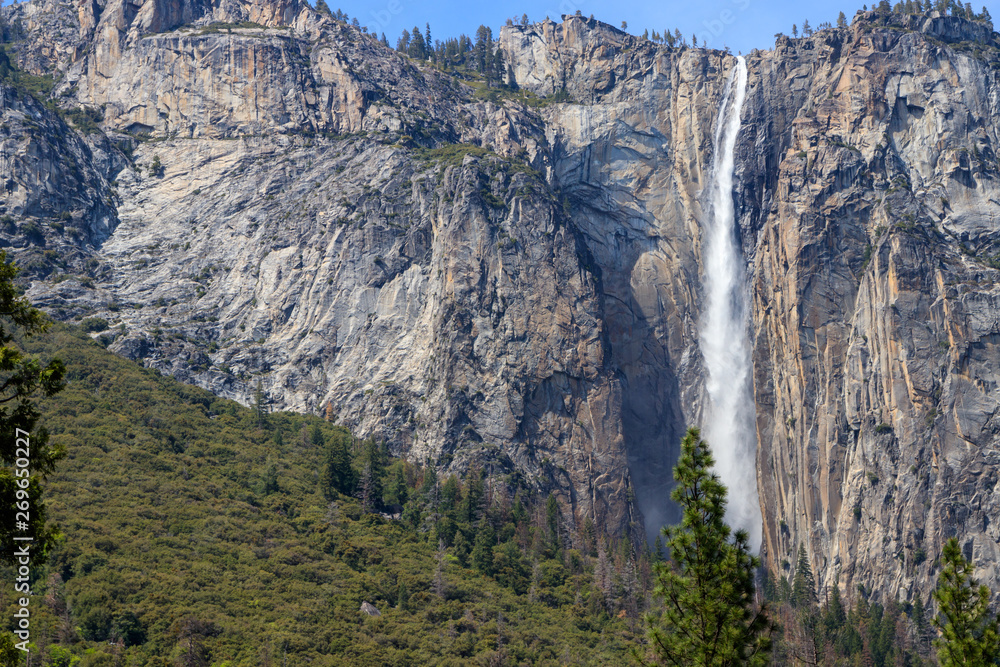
x,y
512,280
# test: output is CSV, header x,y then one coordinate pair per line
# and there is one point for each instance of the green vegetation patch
x,y
188,528
526,97
451,155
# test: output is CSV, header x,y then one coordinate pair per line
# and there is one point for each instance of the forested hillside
x,y
197,531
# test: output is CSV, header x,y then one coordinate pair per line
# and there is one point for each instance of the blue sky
x,y
740,24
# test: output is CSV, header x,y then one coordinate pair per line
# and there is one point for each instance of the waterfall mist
x,y
725,345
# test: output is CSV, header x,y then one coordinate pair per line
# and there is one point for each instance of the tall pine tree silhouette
x,y
707,587
970,634
803,585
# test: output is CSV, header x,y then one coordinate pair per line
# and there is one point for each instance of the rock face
x,y
275,197
55,194
874,247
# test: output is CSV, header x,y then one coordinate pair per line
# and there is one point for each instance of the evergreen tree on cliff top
x,y
970,634
709,618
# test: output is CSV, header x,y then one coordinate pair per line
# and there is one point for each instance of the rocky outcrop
x,y
56,202
513,280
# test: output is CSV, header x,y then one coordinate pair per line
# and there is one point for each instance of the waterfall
x,y
725,345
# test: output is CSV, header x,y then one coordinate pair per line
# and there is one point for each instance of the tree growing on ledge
x,y
709,617
21,379
970,634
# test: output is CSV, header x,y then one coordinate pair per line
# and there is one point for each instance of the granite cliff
x,y
252,191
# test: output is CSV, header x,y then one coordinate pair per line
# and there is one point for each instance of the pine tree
x,y
708,587
834,614
398,492
418,47
21,378
439,581
482,550
190,633
498,69
884,633
536,578
429,482
402,596
450,493
603,575
917,614
270,479
367,489
372,474
919,617
510,568
552,523
970,634
803,585
461,547
841,20
260,404
338,475
475,491
784,589
323,8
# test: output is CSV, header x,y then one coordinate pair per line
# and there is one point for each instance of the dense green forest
x,y
195,531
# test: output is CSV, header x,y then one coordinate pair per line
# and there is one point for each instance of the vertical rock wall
x,y
488,282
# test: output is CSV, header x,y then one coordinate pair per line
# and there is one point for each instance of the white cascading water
x,y
725,345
